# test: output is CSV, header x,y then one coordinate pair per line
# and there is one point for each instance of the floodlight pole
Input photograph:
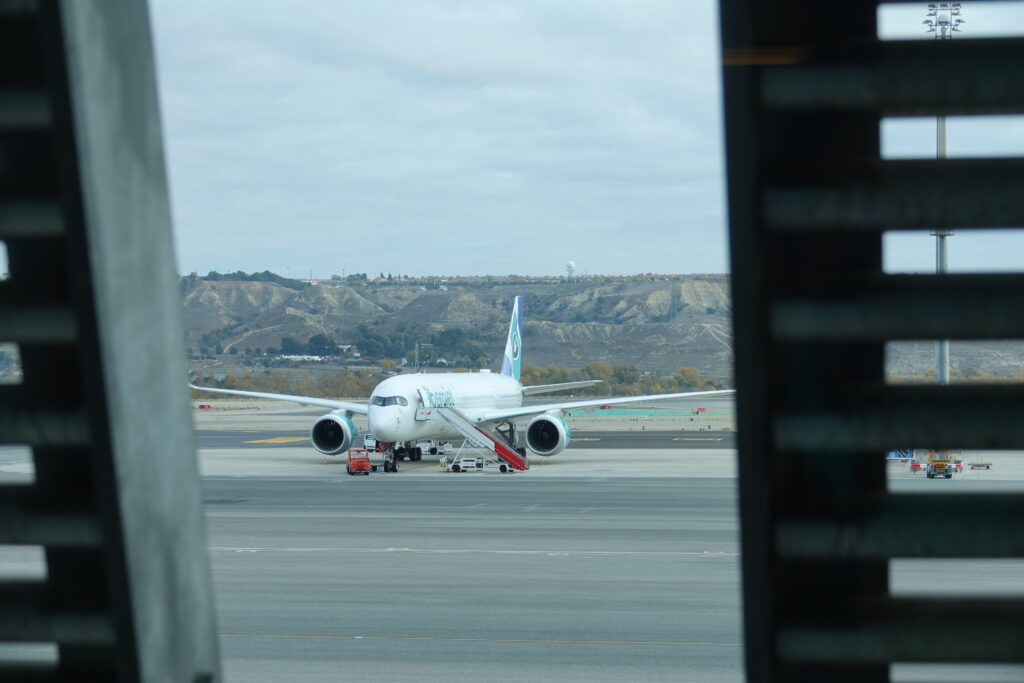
x,y
943,19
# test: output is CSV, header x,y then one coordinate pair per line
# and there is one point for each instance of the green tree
x,y
322,345
531,375
600,371
688,379
626,374
290,346
370,347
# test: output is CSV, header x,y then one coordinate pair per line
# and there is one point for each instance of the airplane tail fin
x,y
514,345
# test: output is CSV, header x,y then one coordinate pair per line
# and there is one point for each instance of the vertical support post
x,y
941,259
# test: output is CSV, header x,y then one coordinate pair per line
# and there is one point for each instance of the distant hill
x,y
654,324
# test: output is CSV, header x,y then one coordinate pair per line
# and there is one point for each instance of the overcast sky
x,y
443,137
481,136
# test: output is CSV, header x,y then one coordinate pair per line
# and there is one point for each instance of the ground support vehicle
x,y
359,462
940,464
473,463
438,447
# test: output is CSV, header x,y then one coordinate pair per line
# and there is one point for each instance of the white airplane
x,y
484,408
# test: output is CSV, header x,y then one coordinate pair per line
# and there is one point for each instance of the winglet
x,y
514,345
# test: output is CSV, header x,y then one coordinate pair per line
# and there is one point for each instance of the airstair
x,y
481,438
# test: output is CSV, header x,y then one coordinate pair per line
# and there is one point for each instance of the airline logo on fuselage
x,y
438,398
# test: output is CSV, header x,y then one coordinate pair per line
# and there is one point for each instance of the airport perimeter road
x,y
476,578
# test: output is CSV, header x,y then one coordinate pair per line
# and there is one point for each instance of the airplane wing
x,y
494,415
548,388
359,408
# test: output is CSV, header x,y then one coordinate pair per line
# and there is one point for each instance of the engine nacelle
x,y
333,433
547,434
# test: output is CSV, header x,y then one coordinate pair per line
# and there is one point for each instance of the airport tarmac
x,y
601,564
475,578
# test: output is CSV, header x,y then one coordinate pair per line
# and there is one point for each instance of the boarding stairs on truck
x,y
478,437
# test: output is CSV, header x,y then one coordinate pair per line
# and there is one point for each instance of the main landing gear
x,y
408,451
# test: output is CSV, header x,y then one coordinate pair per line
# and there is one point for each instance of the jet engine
x,y
333,433
547,434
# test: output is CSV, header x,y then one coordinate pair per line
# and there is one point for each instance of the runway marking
x,y
279,439
575,439
552,641
698,438
454,551
547,507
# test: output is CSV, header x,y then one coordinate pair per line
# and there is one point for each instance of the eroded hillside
x,y
653,324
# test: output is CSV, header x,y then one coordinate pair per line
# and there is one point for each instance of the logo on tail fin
x,y
514,345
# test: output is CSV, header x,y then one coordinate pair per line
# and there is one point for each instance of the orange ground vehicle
x,y
359,462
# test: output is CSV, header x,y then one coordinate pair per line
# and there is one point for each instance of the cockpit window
x,y
390,401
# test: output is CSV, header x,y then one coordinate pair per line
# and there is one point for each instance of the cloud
x,y
496,137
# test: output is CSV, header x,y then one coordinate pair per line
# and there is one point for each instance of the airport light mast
x,y
943,19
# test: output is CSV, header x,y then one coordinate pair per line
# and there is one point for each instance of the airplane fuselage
x,y
401,407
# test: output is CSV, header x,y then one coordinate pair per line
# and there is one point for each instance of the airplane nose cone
x,y
384,423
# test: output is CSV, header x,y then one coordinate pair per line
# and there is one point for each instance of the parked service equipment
x,y
473,464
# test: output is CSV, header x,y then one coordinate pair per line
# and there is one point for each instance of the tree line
x,y
965,375
265,276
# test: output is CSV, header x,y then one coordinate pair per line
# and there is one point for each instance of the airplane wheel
x,y
433,451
